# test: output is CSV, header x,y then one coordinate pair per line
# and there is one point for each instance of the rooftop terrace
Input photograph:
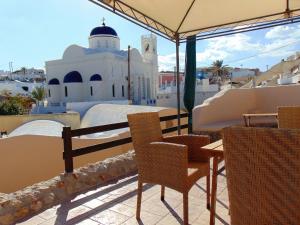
x,y
116,204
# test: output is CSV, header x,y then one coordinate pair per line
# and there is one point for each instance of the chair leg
x,y
185,208
162,195
139,200
208,191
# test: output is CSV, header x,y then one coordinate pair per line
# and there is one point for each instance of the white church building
x,y
100,72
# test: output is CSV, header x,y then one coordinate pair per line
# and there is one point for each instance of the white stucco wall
x,y
104,57
109,42
170,100
55,93
97,92
74,92
227,107
242,72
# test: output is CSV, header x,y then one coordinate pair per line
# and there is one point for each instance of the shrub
x,y
11,108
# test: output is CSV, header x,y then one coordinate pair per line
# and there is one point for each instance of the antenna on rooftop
x,y
10,69
103,21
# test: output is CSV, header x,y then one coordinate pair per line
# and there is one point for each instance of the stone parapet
x,y
38,197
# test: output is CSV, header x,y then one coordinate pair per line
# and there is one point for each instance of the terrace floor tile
x,y
116,204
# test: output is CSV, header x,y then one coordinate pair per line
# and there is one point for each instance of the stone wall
x,y
33,199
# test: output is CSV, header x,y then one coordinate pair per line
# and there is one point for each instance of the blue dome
x,y
104,30
53,81
73,77
96,77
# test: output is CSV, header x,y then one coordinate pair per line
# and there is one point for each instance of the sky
x,y
34,31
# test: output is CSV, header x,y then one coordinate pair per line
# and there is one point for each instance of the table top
x,y
259,114
214,149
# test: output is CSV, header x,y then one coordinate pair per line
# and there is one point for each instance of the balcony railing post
x,y
67,154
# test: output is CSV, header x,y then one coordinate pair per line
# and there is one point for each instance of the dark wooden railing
x,y
67,134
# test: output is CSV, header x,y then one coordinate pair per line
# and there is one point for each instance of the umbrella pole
x,y
178,85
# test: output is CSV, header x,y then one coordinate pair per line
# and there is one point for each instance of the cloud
x,y
282,41
277,42
211,55
278,48
236,42
168,62
242,26
282,32
217,48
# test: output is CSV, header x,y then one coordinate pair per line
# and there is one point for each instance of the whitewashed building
x,y
27,74
100,72
242,72
167,95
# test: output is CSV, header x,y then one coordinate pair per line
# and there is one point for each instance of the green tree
x,y
14,105
220,71
8,107
38,94
25,101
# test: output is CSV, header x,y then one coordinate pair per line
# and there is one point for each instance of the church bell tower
x,y
149,53
149,48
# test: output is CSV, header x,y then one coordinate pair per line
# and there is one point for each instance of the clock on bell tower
x,y
149,45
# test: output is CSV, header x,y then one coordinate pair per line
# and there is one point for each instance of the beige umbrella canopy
x,y
181,18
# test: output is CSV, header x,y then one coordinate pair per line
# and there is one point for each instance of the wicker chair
x,y
175,162
289,117
263,175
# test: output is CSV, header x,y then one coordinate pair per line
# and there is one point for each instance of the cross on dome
x,y
103,30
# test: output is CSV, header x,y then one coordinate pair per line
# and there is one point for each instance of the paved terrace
x,y
116,204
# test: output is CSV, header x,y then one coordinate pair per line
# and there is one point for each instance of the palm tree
x,y
220,71
38,94
23,70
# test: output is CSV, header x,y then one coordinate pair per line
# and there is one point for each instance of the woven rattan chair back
x,y
263,175
144,128
289,117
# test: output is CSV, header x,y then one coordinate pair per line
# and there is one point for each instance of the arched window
x,y
66,91
25,88
73,77
96,77
113,90
53,81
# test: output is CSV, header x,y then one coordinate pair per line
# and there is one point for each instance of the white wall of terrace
x,y
226,107
31,156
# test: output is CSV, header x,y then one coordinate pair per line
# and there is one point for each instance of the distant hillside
x,y
273,73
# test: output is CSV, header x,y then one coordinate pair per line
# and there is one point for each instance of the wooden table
x,y
215,151
248,116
